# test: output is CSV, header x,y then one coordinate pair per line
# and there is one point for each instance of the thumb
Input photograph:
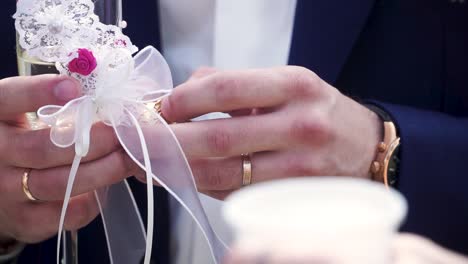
x,y
23,94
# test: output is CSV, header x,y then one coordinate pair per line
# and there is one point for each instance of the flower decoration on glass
x,y
117,89
83,63
48,28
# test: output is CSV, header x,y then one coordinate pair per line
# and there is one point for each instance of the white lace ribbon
x,y
122,92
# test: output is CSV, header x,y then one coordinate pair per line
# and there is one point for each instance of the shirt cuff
x,y
14,251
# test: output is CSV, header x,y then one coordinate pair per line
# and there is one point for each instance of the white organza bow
x,y
123,89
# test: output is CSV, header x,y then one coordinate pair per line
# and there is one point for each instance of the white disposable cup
x,y
314,220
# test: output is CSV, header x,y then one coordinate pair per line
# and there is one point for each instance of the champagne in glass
x,y
29,66
109,12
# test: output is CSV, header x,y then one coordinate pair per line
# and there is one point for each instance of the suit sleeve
x,y
433,174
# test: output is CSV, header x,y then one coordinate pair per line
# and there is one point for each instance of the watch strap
x,y
384,116
386,150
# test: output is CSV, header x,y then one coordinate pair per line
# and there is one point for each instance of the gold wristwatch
x,y
385,166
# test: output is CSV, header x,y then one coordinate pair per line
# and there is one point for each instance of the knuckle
x,y
219,142
214,180
32,147
314,128
226,90
304,83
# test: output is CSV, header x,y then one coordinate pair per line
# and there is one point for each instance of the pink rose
x,y
84,64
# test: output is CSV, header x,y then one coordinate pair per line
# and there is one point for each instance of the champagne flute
x,y
110,13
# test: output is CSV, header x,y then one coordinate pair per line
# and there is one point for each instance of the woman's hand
x,y
292,122
22,149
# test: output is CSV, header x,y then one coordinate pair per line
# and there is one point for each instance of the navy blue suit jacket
x,y
408,56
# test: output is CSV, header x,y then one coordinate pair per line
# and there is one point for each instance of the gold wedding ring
x,y
24,182
246,170
158,108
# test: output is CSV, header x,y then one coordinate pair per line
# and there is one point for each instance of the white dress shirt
x,y
225,34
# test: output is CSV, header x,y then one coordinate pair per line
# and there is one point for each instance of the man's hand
x,y
22,148
294,123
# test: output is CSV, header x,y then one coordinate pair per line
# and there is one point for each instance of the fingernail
x,y
66,90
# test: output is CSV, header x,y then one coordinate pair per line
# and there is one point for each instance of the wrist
x,y
377,136
385,166
366,134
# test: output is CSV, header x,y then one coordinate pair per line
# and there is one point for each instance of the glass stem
x,y
70,247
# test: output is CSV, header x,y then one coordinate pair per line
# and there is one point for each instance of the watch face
x,y
393,167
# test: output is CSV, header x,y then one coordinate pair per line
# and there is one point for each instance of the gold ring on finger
x,y
246,170
26,190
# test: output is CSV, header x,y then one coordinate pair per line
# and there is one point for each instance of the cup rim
x,y
239,210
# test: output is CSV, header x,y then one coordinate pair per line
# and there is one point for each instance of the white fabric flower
x,y
110,36
49,29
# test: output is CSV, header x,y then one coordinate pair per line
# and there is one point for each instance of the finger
x,y
217,174
27,94
219,195
202,72
224,174
50,184
39,221
254,111
81,211
241,112
232,136
34,149
226,91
